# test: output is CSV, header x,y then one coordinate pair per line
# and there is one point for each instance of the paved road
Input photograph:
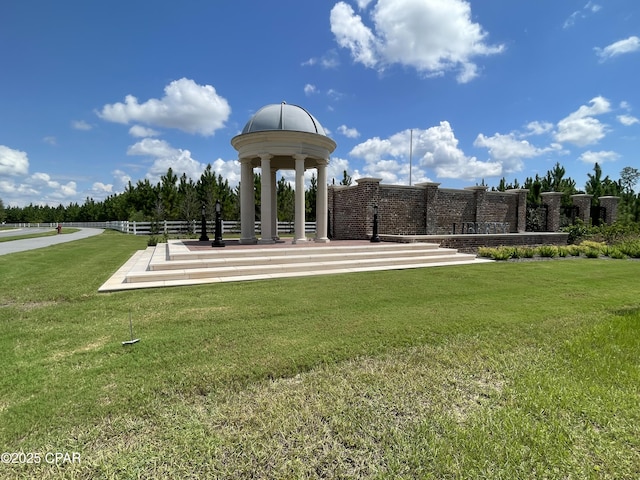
x,y
41,242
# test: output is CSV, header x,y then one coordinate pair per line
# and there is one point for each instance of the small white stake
x,y
133,340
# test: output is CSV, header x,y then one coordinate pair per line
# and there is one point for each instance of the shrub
x,y
563,252
153,241
526,252
615,252
574,250
549,251
577,231
591,252
502,253
592,244
630,248
499,253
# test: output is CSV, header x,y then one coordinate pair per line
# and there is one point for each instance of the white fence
x,y
166,227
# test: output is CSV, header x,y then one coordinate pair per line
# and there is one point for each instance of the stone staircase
x,y
177,263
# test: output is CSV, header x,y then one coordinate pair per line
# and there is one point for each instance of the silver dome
x,y
283,117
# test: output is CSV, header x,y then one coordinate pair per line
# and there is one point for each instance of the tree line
x,y
180,198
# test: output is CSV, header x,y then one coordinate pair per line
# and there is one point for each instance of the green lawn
x,y
502,370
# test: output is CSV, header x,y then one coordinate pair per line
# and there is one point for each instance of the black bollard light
x,y
217,242
375,238
203,227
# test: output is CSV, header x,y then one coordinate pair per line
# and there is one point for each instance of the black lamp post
x,y
217,242
203,226
375,238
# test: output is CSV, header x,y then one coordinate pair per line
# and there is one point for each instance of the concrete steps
x,y
174,263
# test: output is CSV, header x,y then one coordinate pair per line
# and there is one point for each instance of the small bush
x,y
563,252
592,244
574,250
615,252
153,241
592,252
524,252
549,251
630,248
577,231
499,253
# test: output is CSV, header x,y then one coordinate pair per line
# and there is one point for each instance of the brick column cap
x,y
581,195
551,194
517,190
368,180
477,187
606,197
427,184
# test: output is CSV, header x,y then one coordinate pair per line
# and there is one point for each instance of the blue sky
x,y
94,94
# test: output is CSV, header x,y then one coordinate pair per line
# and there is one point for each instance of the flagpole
x,y
410,155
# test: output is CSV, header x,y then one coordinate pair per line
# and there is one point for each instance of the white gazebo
x,y
281,136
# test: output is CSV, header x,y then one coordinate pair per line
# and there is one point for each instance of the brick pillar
x,y
553,201
521,207
431,208
370,197
479,193
583,202
611,206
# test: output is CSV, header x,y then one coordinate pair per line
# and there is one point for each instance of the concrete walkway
x,y
15,246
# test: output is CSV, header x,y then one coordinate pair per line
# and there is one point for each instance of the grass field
x,y
502,370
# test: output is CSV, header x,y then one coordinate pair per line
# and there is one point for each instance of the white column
x,y
274,205
299,235
247,203
266,222
322,203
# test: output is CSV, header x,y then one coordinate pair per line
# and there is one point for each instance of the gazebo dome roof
x,y
283,117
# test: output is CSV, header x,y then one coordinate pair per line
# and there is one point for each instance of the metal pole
x,y
410,155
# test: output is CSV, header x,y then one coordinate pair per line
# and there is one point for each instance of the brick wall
x,y
425,209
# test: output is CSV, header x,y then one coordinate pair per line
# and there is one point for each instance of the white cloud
x,y
50,140
13,162
81,125
432,36
538,128
599,157
435,148
509,150
101,188
628,45
186,106
40,180
348,132
336,168
351,33
627,120
166,156
140,131
580,127
585,11
310,89
328,60
179,160
362,4
229,169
